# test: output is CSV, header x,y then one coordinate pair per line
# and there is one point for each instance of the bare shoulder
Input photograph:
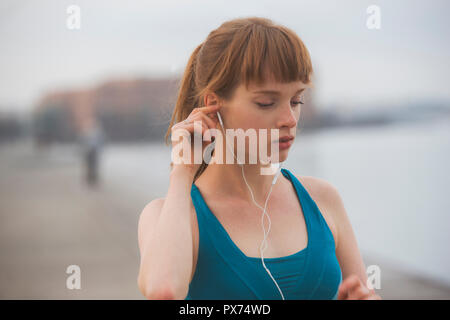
x,y
151,210
319,188
152,205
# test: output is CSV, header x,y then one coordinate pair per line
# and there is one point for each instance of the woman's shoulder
x,y
318,188
154,205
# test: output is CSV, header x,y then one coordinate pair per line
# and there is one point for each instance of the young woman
x,y
202,241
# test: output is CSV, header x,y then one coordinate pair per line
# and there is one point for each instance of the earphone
x,y
264,209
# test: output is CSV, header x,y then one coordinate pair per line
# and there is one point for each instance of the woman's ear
x,y
211,99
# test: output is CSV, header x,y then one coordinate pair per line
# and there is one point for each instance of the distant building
x,y
128,110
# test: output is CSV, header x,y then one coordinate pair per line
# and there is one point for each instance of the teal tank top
x,y
224,272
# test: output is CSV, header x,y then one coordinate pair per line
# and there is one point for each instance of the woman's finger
x,y
195,128
189,126
342,292
210,122
208,109
347,286
353,282
359,293
199,116
205,120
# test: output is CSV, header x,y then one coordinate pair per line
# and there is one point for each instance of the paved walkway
x,y
50,220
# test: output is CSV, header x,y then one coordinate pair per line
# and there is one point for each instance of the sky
x,y
406,60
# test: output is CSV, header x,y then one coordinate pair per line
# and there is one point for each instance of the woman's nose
x,y
288,118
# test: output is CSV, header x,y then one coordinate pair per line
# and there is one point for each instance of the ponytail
x,y
187,99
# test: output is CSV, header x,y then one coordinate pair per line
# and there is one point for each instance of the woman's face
x,y
273,105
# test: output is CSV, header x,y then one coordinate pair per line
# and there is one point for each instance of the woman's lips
x,y
285,144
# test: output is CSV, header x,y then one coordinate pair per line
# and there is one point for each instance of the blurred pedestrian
x,y
92,139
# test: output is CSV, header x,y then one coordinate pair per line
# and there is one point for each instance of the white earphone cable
x,y
264,242
264,230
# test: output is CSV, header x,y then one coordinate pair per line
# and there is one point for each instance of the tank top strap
x,y
321,266
320,231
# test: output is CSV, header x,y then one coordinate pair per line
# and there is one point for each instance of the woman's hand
x,y
352,288
209,120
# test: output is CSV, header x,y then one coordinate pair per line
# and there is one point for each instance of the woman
x,y
201,240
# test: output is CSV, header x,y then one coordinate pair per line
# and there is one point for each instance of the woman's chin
x,y
282,156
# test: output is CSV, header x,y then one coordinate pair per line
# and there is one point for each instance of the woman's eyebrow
x,y
275,92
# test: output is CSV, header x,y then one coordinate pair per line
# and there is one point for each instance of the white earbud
x,y
220,119
276,175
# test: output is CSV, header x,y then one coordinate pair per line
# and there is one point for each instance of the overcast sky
x,y
406,60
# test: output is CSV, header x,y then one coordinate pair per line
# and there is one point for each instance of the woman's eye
x,y
298,102
262,105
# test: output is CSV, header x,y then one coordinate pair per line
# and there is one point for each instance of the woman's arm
x,y
327,197
354,285
166,241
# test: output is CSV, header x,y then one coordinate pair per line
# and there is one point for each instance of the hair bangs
x,y
275,54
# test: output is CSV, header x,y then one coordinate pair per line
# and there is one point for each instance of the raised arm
x,y
166,242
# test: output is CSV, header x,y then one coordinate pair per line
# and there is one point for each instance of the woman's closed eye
x,y
262,105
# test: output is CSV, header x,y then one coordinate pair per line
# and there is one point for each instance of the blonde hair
x,y
238,51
